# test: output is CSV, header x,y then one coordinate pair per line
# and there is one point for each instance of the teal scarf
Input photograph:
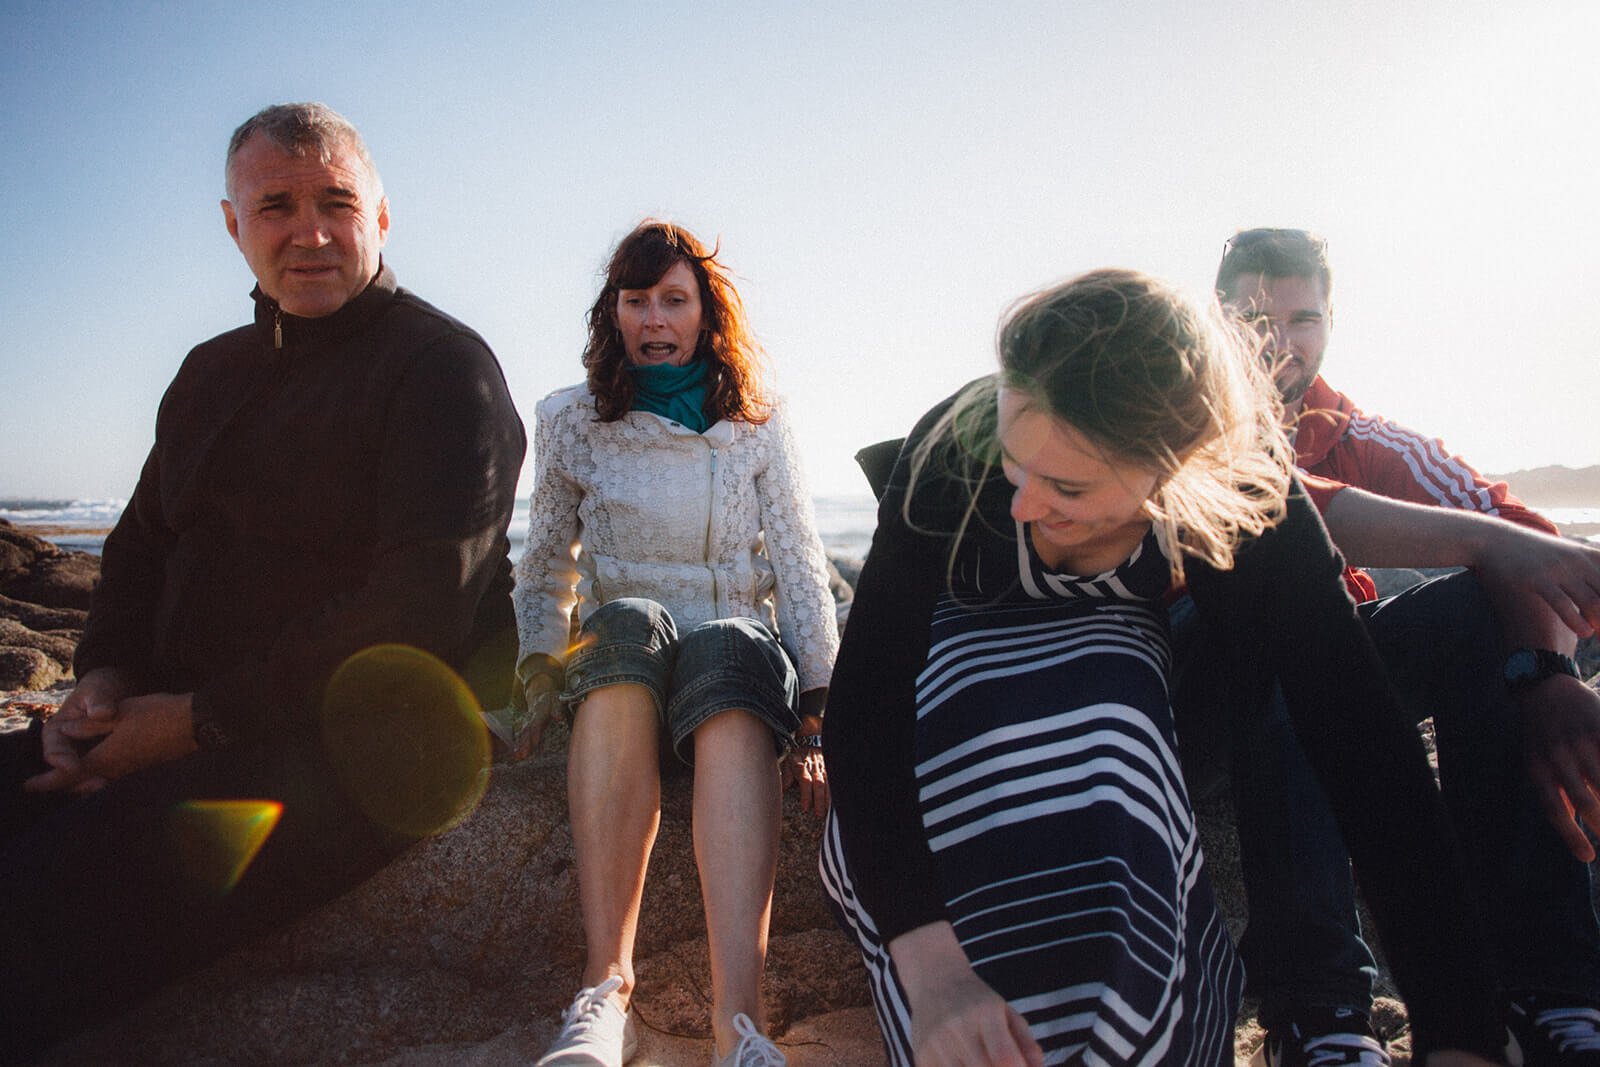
x,y
676,393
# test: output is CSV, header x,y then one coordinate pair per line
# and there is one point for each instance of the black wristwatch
x,y
1527,667
808,740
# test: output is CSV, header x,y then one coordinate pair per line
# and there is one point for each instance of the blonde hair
x,y
1154,380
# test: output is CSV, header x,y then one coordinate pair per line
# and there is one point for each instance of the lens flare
x,y
403,732
215,840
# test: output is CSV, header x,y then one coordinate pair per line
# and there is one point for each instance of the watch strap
x,y
1527,667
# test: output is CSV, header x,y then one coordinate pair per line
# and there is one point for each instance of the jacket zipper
x,y
711,507
277,328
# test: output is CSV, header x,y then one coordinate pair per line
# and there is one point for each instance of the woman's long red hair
x,y
726,343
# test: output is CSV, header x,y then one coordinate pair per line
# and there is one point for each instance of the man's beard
x,y
1293,380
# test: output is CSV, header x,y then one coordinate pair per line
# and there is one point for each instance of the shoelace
x,y
1345,1050
1571,1029
754,1049
586,1007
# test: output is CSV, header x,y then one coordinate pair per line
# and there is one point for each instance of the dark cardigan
x,y
1283,614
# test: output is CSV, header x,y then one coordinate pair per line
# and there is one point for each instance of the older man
x,y
1486,653
336,476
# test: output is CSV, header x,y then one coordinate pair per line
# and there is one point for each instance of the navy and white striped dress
x,y
1051,797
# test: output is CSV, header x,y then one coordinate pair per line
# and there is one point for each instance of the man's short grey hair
x,y
303,129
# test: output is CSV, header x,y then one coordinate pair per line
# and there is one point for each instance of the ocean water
x,y
845,522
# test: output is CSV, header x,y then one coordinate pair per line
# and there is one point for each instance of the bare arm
x,y
1512,561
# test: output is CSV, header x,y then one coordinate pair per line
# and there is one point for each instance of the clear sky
x,y
884,178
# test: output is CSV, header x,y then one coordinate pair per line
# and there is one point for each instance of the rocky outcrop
x,y
470,944
44,598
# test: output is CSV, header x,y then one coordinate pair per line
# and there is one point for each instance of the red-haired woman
x,y
669,512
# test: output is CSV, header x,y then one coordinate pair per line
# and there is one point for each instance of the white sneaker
x,y
753,1049
594,1031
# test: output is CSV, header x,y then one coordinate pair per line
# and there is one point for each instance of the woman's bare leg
x,y
736,815
614,803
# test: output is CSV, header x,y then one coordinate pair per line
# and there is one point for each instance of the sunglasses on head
x,y
1245,239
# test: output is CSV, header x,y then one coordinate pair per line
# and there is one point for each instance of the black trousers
x,y
106,896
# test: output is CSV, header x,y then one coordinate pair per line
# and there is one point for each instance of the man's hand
x,y
1561,744
88,714
146,731
1564,574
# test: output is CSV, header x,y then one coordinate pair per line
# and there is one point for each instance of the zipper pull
x,y
277,327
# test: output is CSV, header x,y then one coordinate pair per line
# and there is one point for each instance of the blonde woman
x,y
1012,845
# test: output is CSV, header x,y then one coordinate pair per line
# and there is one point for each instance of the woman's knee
x,y
744,644
732,666
625,643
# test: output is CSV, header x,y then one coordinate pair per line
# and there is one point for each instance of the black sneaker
x,y
1325,1037
1545,1033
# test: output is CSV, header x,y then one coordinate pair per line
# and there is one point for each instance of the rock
x,y
1588,656
19,548
842,587
58,645
44,597
64,581
14,559
473,936
36,571
28,668
39,618
848,569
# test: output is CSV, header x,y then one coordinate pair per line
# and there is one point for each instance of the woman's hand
x,y
805,765
957,1020
520,726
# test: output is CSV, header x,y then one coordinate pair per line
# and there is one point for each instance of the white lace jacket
x,y
713,525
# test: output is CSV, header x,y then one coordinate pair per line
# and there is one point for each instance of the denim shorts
x,y
718,665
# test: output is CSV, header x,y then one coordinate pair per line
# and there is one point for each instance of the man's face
x,y
1293,317
311,231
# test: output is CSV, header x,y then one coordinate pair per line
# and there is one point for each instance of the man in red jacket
x,y
1486,652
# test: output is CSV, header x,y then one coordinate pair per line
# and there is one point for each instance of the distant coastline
x,y
1554,486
